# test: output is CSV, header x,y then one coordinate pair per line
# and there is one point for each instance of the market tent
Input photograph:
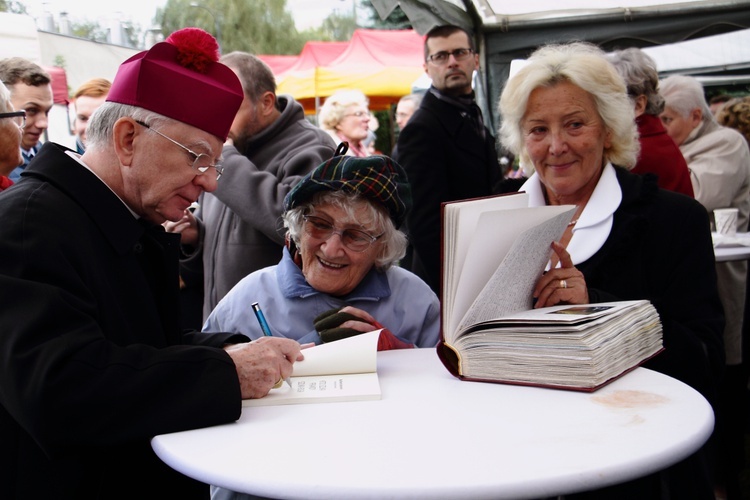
x,y
318,54
381,63
59,84
278,64
714,60
512,30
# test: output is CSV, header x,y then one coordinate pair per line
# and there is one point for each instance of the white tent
x,y
512,30
718,59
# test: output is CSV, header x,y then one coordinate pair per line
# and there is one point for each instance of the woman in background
x,y
659,154
346,118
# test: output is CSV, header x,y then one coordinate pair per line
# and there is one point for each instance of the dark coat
x,y
660,249
445,160
93,360
660,155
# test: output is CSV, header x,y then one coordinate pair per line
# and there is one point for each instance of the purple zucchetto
x,y
182,79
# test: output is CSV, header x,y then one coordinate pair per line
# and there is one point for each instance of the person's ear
x,y
696,117
640,103
267,103
123,139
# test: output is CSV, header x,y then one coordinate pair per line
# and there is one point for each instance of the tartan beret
x,y
377,178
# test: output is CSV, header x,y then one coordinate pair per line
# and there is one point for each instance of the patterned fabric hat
x,y
378,178
182,79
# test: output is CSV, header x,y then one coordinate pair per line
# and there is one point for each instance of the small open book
x,y
345,370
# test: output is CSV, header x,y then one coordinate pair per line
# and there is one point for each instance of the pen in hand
x,y
266,332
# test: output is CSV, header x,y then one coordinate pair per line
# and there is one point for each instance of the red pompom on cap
x,y
196,49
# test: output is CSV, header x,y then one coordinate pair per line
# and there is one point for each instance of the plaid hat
x,y
378,178
182,79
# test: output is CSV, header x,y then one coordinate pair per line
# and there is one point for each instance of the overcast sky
x,y
307,13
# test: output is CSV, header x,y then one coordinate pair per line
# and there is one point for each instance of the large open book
x,y
494,251
345,370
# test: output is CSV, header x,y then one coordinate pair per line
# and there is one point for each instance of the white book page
x,y
460,224
322,389
356,354
345,370
569,313
499,274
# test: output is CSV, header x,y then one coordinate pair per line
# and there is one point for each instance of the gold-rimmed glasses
x,y
201,161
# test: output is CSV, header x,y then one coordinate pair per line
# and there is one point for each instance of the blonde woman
x,y
346,118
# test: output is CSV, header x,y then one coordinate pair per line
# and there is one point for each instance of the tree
x,y
89,30
339,27
14,7
259,27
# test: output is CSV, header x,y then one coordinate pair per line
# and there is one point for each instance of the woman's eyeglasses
x,y
353,239
201,161
18,117
359,114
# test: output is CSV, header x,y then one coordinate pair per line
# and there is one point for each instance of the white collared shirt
x,y
595,222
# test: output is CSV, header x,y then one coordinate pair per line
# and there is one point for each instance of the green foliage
x,y
89,30
339,27
13,7
384,133
258,26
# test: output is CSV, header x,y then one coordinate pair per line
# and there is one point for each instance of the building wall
x,y
82,59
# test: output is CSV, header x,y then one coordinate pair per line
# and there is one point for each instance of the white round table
x,y
433,436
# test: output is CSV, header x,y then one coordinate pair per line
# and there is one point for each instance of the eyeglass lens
x,y
202,161
353,239
18,117
443,56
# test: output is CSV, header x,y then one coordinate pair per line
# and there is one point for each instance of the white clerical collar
x,y
595,222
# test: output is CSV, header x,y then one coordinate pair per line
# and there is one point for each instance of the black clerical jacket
x,y
93,360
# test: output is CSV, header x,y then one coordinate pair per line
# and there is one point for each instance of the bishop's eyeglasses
x,y
201,161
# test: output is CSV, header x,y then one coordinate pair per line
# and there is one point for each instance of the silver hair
x,y
641,77
102,122
393,241
6,105
415,98
585,66
683,94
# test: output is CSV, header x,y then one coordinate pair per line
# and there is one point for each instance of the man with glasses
x,y
94,359
30,91
236,229
447,151
11,127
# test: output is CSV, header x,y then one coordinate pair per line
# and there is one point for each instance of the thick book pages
x,y
494,251
345,370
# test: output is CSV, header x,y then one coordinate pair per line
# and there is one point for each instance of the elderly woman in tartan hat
x,y
337,277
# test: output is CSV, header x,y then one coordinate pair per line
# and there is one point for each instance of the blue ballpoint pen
x,y
264,326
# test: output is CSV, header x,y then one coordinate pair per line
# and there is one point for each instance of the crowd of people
x,y
130,263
